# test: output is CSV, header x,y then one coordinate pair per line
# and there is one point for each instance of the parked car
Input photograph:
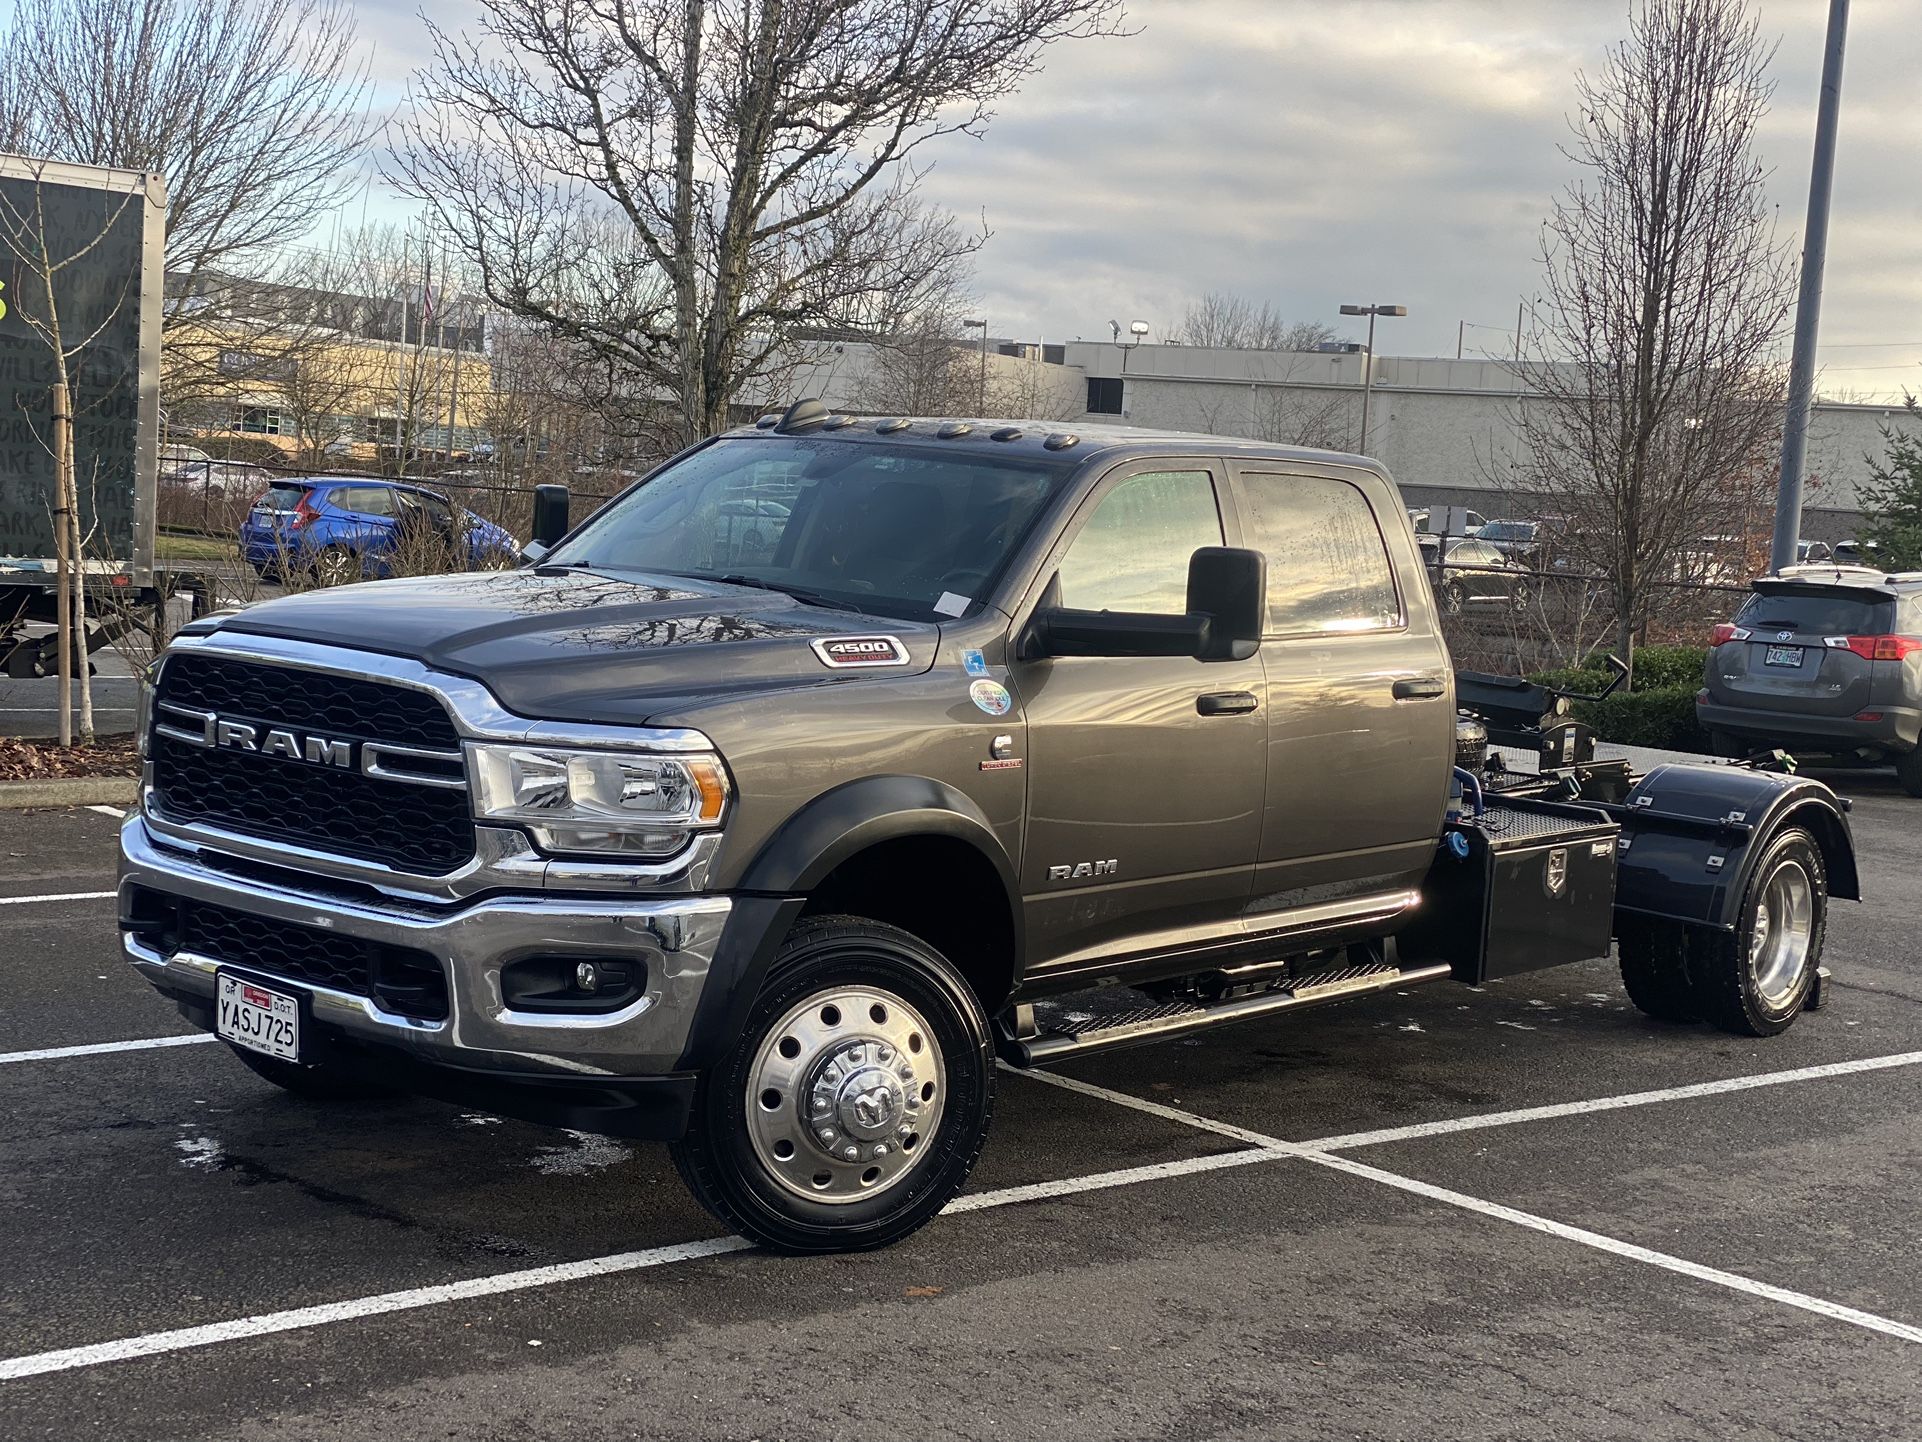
x,y
1821,660
1420,516
1474,573
347,528
1808,553
1515,539
199,471
1856,553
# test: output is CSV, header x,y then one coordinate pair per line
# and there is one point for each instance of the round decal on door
x,y
992,697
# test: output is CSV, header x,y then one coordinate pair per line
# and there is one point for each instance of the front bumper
x,y
676,939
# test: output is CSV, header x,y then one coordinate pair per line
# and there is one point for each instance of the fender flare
x,y
1692,836
802,853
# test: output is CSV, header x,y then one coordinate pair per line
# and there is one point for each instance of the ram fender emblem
x,y
1084,870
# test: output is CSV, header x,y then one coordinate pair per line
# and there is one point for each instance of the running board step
x,y
1079,1033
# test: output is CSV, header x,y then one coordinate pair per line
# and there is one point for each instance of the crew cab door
x,y
1145,773
1358,692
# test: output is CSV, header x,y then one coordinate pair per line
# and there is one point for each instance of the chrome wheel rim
x,y
1781,934
334,569
844,1094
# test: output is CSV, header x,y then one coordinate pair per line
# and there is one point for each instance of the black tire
x,y
336,566
718,1159
1908,770
1729,979
310,1083
1654,957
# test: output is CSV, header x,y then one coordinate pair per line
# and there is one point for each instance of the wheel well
x,y
941,889
1838,856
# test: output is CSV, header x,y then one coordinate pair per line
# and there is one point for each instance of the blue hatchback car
x,y
348,528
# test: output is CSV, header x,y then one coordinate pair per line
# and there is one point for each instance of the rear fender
x,y
1693,834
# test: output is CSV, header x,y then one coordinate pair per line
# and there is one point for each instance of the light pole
x,y
981,396
1368,365
1808,305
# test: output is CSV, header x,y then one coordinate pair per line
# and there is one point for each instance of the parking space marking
x,y
1308,1152
59,896
113,811
1607,1104
54,1053
182,1338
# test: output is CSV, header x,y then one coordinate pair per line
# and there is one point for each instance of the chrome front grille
x,y
349,765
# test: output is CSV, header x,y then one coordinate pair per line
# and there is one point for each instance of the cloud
x,y
1311,152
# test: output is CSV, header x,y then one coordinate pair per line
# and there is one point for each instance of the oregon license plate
x,y
1783,656
257,1017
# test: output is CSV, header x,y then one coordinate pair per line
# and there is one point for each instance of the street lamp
x,y
1368,366
1138,330
981,397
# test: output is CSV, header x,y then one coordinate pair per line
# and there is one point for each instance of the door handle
x,y
1419,688
1225,703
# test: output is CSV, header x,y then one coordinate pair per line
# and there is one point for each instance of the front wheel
x,y
856,1101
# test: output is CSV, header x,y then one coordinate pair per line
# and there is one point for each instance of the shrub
x,y
1659,712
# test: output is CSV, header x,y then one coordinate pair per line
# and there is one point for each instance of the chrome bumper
x,y
675,938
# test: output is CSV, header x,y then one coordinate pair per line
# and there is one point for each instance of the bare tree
x,y
754,160
1234,322
1654,398
253,109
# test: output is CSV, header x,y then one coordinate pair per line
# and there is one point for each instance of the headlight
x,y
597,802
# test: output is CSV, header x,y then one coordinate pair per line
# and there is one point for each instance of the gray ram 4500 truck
x,y
767,810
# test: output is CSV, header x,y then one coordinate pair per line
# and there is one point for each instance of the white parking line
x,y
1609,1104
54,1053
113,811
180,1339
1261,1149
59,896
1310,1153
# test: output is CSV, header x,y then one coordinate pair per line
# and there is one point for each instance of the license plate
x,y
258,1018
1783,656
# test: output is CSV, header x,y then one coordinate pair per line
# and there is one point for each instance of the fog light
x,y
587,978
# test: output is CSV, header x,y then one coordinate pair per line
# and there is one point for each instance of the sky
x,y
1314,152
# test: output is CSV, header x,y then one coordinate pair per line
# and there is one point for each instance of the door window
x,y
1132,555
1328,568
368,500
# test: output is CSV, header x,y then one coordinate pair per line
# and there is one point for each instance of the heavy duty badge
x,y
853,653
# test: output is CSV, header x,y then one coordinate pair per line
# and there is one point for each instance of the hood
x,y
575,646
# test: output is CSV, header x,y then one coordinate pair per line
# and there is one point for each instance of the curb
x,y
70,791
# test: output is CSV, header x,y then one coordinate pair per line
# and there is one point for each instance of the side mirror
x,y
550,515
1227,598
1229,585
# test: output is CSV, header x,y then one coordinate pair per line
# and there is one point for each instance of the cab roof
x,y
810,418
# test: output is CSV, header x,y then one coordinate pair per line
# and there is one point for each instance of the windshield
x,y
919,533
1508,531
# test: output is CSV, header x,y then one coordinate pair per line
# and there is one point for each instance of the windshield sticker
x,y
855,653
971,661
992,697
950,604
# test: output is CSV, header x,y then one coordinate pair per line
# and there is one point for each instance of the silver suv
x,y
1824,660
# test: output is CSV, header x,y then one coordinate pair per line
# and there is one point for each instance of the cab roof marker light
x,y
953,430
1061,441
837,423
889,427
1007,433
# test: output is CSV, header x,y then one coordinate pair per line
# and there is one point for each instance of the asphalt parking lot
x,y
1522,1211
